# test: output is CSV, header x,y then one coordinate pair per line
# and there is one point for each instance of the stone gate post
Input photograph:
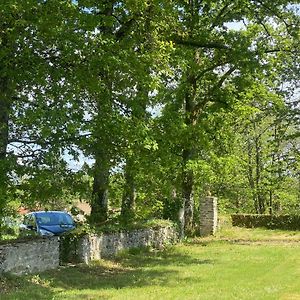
x,y
208,216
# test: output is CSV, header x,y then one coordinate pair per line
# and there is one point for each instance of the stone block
x,y
208,216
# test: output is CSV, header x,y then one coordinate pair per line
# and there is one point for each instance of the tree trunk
x,y
270,202
188,155
139,113
251,176
274,174
99,203
4,117
129,192
187,192
260,197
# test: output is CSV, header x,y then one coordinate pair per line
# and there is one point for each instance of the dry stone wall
x,y
30,256
94,247
41,254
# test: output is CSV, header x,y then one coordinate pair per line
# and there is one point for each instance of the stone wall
x,y
41,254
94,247
29,256
208,216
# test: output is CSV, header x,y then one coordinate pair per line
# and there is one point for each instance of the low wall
x,y
29,256
41,254
94,247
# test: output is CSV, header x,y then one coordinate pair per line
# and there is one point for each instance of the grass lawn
x,y
237,264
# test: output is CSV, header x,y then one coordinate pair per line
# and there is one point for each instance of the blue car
x,y
48,223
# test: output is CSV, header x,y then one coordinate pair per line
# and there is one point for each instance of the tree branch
x,y
221,13
45,142
211,68
223,78
192,43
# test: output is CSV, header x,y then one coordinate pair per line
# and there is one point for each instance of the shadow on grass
x,y
94,278
24,287
129,270
167,257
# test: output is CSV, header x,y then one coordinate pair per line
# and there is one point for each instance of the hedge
x,y
285,222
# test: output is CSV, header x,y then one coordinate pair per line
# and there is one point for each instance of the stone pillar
x,y
208,216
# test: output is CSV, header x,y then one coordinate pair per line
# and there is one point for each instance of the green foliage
x,y
68,250
171,207
117,225
10,221
164,99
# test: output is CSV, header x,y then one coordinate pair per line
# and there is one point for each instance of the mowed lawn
x,y
264,265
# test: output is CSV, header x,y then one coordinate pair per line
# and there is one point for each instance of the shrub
x,y
285,222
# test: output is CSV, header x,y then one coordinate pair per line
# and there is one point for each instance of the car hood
x,y
57,229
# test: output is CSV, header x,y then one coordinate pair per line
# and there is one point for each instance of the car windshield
x,y
52,218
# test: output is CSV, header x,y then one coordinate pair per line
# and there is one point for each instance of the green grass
x,y
229,266
228,232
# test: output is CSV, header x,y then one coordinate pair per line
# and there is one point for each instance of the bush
x,y
9,227
285,222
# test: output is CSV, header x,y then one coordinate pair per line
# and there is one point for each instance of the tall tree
x,y
121,53
34,62
217,62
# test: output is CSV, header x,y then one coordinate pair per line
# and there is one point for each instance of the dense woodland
x,y
143,107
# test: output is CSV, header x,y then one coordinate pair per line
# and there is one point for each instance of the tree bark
x,y
4,116
4,130
130,170
188,155
101,151
259,195
129,192
251,176
270,202
187,191
99,204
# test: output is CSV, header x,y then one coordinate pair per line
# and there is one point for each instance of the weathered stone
x,y
95,247
208,216
30,256
42,254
